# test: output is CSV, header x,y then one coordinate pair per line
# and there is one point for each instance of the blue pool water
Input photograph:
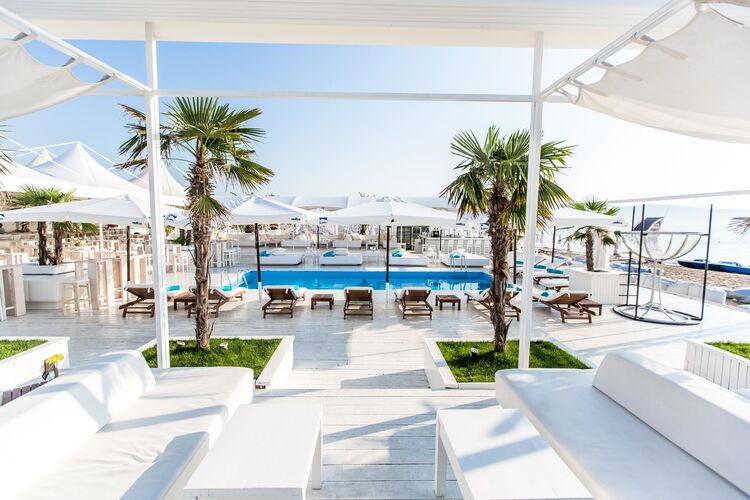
x,y
337,280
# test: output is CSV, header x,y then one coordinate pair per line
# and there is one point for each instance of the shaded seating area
x,y
358,301
282,299
414,301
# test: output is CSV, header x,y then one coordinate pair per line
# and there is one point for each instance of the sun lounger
x,y
408,259
144,298
568,304
282,299
414,301
455,259
217,297
358,301
553,283
483,298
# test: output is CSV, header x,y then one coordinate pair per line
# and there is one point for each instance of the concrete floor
x,y
378,410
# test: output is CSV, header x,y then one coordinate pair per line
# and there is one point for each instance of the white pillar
x,y
154,188
532,206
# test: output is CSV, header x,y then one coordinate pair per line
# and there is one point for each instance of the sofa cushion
x,y
611,451
40,429
707,421
150,449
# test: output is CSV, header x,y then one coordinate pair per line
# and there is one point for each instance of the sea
x,y
725,244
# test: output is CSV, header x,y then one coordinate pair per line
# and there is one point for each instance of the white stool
x,y
76,284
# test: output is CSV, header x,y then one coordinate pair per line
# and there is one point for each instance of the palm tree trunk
x,y
500,241
589,252
41,229
200,186
57,251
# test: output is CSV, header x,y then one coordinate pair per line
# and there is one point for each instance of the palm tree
x,y
492,180
217,144
740,225
587,234
32,196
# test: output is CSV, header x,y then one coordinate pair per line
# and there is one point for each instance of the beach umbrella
x,y
125,210
390,211
259,210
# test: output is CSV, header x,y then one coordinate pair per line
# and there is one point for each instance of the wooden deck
x,y
378,410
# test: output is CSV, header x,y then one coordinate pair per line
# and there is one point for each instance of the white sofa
x,y
454,259
638,429
347,244
280,257
409,259
114,428
341,258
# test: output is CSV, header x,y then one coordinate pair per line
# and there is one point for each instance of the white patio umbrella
x,y
258,210
392,211
125,210
571,217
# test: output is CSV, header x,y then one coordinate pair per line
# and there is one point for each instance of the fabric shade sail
x,y
123,210
170,186
77,165
259,210
39,157
19,177
28,85
387,211
693,82
570,217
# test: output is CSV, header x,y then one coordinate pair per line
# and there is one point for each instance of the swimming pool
x,y
338,280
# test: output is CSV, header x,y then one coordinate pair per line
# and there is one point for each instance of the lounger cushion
x,y
705,420
43,428
341,251
612,452
150,449
402,292
278,251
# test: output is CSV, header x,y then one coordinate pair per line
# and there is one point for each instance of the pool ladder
x,y
461,263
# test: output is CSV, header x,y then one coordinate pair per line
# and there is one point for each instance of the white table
x,y
265,451
498,454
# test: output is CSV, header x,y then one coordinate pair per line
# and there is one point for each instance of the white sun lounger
x,y
409,259
286,259
353,259
466,259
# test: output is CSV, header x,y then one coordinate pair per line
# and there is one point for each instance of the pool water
x,y
338,280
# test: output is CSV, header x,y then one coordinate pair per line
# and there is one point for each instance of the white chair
x,y
76,284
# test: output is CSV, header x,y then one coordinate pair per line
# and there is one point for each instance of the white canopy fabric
x,y
170,186
77,165
259,210
570,217
39,157
693,82
19,176
33,86
386,210
123,210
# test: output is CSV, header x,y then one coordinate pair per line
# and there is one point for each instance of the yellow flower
x,y
54,359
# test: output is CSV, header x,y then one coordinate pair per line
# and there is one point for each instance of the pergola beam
x,y
69,50
331,95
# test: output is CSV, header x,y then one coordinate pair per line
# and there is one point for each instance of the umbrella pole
x,y
318,238
554,240
257,264
440,241
127,252
378,248
387,259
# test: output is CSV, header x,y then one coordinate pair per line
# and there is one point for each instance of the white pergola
x,y
502,23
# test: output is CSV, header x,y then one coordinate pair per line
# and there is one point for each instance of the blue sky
x,y
345,147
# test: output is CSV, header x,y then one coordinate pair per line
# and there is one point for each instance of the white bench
x,y
266,451
498,454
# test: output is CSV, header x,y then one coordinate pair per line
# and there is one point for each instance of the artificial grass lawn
x,y
483,367
248,353
738,348
10,348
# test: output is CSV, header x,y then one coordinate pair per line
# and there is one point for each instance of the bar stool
x,y
77,284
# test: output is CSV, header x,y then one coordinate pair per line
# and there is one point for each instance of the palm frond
x,y
740,225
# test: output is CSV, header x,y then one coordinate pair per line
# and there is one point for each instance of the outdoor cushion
x,y
43,428
152,448
265,253
173,288
340,251
552,270
396,253
540,266
707,421
278,251
612,452
329,253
